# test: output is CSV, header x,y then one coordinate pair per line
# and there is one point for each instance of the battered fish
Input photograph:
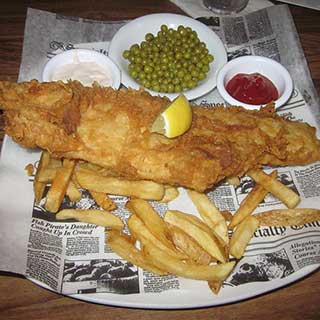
x,y
112,129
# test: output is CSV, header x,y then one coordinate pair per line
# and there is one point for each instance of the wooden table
x,y
20,298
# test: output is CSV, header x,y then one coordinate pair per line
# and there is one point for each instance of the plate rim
x,y
279,283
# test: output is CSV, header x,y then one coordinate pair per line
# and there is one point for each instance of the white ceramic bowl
x,y
82,56
135,31
269,68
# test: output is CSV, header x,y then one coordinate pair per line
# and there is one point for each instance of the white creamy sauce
x,y
84,71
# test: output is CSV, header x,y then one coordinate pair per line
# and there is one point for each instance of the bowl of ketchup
x,y
254,81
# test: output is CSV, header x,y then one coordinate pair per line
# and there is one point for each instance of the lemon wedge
x,y
175,119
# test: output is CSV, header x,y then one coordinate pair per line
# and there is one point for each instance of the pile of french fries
x,y
177,243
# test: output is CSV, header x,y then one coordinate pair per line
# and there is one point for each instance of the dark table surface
x,y
21,299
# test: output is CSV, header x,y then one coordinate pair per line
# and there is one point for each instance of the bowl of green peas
x,y
168,54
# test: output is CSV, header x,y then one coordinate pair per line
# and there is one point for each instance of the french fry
x,y
215,286
234,181
250,203
72,192
89,166
227,215
211,215
123,247
95,169
100,218
139,230
188,245
38,187
196,221
55,163
144,189
48,174
205,239
59,186
164,261
170,193
74,180
29,169
288,217
242,236
150,218
103,200
282,192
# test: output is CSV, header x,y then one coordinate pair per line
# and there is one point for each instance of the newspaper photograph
x,y
73,257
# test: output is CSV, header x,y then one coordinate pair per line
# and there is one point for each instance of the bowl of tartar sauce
x,y
86,66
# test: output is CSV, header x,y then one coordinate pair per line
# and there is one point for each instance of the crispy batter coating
x,y
112,129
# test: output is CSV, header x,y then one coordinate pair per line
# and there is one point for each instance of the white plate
x,y
134,32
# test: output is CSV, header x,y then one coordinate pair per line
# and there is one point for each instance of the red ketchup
x,y
253,88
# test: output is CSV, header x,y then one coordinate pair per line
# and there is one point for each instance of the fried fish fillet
x,y
112,129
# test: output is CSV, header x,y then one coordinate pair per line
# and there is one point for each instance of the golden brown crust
x,y
111,128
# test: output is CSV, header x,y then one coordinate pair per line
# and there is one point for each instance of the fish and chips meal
x,y
101,140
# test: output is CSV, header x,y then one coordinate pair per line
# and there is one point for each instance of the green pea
x,y
134,47
138,60
178,88
144,53
132,58
160,73
142,75
166,74
144,45
201,76
131,67
149,37
195,73
148,69
154,48
187,55
187,77
191,83
164,88
176,81
134,74
126,54
165,60
181,74
199,64
210,58
156,87
205,68
194,59
170,88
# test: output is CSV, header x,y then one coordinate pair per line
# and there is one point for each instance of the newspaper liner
x,y
72,257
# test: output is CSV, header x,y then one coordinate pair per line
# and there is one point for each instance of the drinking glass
x,y
225,6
